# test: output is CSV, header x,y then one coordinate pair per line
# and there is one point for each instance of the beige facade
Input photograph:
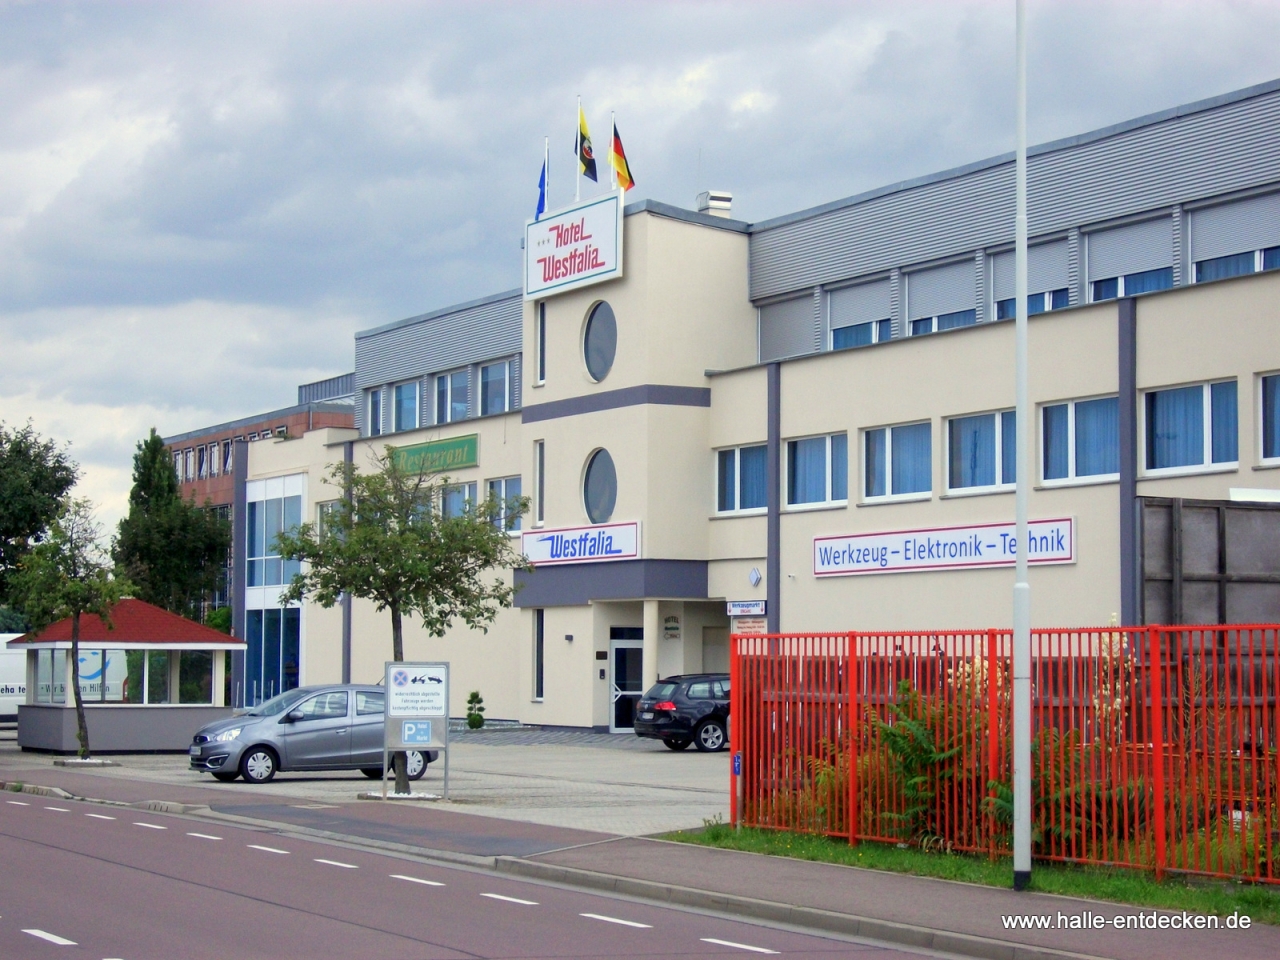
x,y
684,320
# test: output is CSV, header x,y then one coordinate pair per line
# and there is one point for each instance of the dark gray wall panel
x,y
576,584
1251,224
787,329
1047,269
1131,249
1195,152
860,304
486,330
940,290
120,728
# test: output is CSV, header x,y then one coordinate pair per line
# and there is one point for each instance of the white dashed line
x,y
338,863
625,923
498,896
52,938
99,816
739,946
254,846
203,836
150,826
18,803
425,883
58,809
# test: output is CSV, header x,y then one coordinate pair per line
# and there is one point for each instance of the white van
x,y
13,679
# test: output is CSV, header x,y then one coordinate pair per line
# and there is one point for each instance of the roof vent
x,y
716,203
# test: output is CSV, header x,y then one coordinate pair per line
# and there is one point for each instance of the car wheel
x,y
677,744
373,773
226,776
709,737
258,765
417,764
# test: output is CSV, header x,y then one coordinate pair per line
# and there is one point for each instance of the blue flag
x,y
542,192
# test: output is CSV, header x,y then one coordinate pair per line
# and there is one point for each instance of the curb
x,y
811,918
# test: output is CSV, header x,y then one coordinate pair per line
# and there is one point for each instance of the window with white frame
x,y
1060,299
1270,418
189,470
1131,284
1080,439
943,321
506,491
741,474
1195,426
202,462
1237,264
861,334
325,512
375,413
405,407
177,464
495,388
898,461
215,461
539,481
456,498
228,455
452,396
818,470
982,451
542,342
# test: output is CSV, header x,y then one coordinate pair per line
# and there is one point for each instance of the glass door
x,y
626,657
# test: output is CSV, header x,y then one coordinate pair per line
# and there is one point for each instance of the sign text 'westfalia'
x,y
608,541
574,247
942,548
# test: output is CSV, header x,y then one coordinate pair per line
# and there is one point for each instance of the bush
x,y
475,710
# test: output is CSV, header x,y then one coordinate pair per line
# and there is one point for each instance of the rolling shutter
x,y
860,304
1046,270
941,290
1131,249
1252,224
787,329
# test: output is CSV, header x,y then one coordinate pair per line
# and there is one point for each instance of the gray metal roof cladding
x,y
1201,150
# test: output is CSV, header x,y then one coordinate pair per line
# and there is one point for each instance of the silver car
x,y
338,727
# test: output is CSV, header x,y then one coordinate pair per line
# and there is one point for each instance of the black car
x,y
688,709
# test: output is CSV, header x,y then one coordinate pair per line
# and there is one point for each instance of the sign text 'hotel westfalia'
x,y
574,247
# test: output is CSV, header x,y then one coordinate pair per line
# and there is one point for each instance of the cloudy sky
x,y
201,202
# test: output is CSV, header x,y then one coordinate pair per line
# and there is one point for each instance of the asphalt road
x,y
88,880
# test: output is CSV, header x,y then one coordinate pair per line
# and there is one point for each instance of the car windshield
x,y
661,691
269,708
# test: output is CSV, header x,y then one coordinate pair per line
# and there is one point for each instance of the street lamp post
x,y
1022,417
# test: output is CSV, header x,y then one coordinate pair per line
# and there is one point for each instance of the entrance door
x,y
626,657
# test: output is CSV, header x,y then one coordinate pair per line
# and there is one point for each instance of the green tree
x,y
174,551
35,474
390,542
69,574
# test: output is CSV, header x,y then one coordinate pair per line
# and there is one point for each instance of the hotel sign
x,y
942,548
439,456
605,541
574,247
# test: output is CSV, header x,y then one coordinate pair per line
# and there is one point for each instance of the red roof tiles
x,y
133,621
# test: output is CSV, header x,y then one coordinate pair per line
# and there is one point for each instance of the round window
x,y
600,487
600,342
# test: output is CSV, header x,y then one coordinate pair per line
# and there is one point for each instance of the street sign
x,y
746,608
416,712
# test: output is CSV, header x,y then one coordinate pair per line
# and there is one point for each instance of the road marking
x,y
18,803
204,836
425,883
254,846
52,938
498,896
337,863
314,806
150,826
99,816
625,923
58,809
740,946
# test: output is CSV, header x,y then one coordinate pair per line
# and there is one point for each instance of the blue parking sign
x,y
737,764
415,732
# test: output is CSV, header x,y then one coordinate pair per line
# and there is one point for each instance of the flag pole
x,y
613,168
546,170
577,160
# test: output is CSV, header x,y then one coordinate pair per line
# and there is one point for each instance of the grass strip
x,y
1119,885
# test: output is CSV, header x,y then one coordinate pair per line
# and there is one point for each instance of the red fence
x,y
1152,747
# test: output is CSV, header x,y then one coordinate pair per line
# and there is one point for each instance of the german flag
x,y
586,158
618,158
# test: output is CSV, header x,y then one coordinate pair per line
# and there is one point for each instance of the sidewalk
x,y
931,914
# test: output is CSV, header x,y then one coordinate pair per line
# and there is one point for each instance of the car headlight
x,y
226,735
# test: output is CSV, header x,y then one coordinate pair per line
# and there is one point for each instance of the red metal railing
x,y
1152,747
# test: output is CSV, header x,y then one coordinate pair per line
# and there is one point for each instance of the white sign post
x,y
416,712
574,247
